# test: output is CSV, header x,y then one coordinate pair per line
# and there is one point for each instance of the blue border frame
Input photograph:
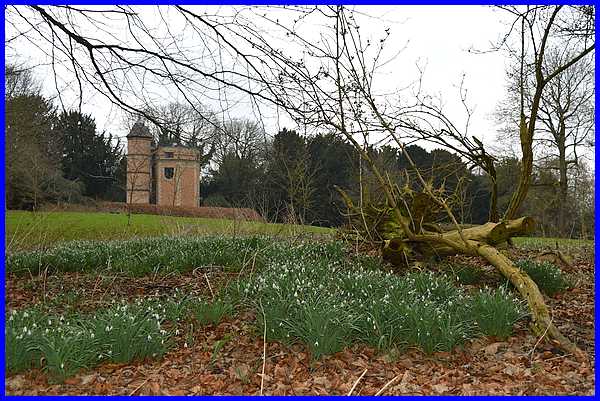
x,y
301,2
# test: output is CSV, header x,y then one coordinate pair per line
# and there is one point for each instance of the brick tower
x,y
139,159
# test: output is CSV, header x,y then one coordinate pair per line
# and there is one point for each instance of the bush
x,y
496,312
547,276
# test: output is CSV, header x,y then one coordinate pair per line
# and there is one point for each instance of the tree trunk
x,y
399,249
563,185
481,242
541,323
526,164
494,216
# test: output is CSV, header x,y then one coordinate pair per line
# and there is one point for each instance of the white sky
x,y
437,37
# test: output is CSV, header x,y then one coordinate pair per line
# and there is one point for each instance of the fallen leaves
x,y
484,367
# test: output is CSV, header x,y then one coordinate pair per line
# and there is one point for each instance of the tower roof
x,y
139,130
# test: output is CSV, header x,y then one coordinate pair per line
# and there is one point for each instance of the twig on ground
x,y
138,387
387,385
539,340
209,286
262,376
558,357
356,382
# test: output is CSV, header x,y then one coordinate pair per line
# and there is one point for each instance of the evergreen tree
x,y
88,156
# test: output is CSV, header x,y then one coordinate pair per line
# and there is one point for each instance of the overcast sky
x,y
438,38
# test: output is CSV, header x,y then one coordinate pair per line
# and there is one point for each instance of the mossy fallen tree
x,y
404,240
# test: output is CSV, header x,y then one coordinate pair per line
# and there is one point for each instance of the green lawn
x,y
26,230
540,242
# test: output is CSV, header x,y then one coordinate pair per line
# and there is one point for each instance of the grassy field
x,y
540,242
26,230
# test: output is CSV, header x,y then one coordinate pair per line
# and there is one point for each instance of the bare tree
x,y
245,138
536,27
19,81
567,122
298,181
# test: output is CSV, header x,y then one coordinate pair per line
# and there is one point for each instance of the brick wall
x,y
138,170
182,188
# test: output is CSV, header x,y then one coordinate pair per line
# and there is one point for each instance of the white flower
x,y
149,337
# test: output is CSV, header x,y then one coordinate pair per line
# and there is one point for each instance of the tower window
x,y
169,155
169,172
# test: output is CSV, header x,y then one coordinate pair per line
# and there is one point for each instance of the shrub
x,y
547,276
496,312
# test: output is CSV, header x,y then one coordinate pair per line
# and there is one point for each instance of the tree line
x,y
54,157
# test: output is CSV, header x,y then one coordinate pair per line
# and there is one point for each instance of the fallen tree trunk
x,y
401,246
400,249
541,321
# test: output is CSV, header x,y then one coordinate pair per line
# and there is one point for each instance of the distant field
x,y
26,230
539,242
